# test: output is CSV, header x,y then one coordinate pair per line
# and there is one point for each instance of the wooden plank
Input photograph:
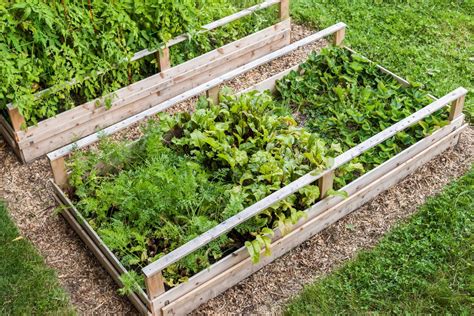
x,y
58,168
164,59
18,121
355,186
193,92
294,186
155,285
284,11
456,108
96,251
8,134
339,37
105,255
245,268
325,183
102,120
166,84
213,94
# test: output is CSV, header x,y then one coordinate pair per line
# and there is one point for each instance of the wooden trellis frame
x,y
237,266
32,142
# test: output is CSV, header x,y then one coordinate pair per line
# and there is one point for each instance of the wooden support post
x,y
325,183
284,9
339,37
58,166
17,119
163,58
456,108
155,286
213,94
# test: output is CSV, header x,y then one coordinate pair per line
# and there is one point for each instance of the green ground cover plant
x,y
48,43
27,285
424,266
345,98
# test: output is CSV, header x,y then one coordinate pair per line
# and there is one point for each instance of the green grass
x,y
426,41
425,266
27,285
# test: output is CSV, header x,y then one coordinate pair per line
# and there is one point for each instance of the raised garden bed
x,y
31,142
229,270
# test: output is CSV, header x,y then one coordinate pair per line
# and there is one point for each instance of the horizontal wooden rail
x,y
179,39
66,150
255,209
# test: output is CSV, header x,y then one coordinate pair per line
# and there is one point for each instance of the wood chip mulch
x,y
31,204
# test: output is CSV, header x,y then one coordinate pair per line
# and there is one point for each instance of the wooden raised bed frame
x,y
237,266
52,133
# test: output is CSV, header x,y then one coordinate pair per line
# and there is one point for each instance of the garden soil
x,y
29,195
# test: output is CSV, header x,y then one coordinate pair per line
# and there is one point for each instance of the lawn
x,y
427,41
424,266
27,285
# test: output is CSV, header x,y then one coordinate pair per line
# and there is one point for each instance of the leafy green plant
x,y
46,44
347,99
193,171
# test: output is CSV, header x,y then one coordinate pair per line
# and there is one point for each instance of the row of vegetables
x,y
46,44
191,171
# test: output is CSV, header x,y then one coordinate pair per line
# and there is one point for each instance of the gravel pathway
x,y
32,206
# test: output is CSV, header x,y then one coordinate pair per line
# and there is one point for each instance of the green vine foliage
x,y
345,98
48,43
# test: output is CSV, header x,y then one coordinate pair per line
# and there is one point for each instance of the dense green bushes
x,y
46,43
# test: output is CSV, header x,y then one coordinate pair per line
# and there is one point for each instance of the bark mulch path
x,y
32,206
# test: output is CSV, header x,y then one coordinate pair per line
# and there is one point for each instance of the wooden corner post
x,y
213,94
163,58
58,167
155,286
284,9
325,183
456,108
16,118
339,37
